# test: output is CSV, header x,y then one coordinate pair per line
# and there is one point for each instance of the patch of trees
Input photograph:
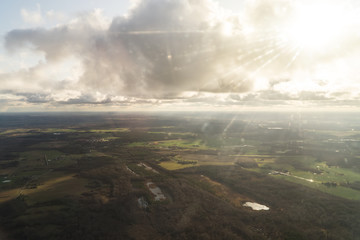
x,y
9,164
184,162
291,205
330,184
354,185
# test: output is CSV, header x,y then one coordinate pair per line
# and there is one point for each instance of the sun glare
x,y
317,26
227,29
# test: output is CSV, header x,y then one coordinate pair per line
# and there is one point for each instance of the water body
x,y
256,206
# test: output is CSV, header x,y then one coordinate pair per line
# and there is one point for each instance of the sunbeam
x,y
297,52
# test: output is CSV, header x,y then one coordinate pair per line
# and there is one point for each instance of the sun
x,y
227,29
317,26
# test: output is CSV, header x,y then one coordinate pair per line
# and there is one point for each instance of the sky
x,y
136,55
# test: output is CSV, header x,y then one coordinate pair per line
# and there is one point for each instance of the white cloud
x,y
56,16
37,17
189,52
32,16
90,21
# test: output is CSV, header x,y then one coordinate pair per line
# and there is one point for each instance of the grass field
x,y
339,191
323,174
179,143
50,186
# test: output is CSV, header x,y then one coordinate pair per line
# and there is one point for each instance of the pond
x,y
256,206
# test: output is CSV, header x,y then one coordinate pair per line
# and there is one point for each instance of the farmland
x,y
171,176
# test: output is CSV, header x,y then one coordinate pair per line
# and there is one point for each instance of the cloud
x,y
37,17
56,16
32,16
161,50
